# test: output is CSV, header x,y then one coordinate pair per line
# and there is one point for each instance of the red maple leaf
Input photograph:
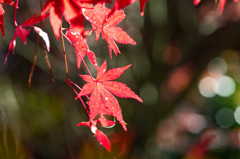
x,y
22,32
101,101
81,47
111,33
2,12
98,16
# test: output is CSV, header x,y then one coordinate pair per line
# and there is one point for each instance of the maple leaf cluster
x,y
102,90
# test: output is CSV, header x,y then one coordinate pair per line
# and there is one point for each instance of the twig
x,y
64,53
34,63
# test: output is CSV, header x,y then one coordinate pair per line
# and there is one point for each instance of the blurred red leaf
x,y
2,12
2,19
199,150
71,11
142,6
221,4
196,2
8,2
120,4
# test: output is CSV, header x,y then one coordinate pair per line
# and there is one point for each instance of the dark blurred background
x,y
186,68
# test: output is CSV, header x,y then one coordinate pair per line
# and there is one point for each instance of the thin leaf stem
x,y
75,84
64,53
45,51
84,63
77,87
15,14
48,64
35,54
34,63
69,82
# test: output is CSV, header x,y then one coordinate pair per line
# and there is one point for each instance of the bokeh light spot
x,y
217,67
207,87
237,115
226,86
196,123
225,117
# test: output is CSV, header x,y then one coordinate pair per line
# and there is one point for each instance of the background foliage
x,y
179,47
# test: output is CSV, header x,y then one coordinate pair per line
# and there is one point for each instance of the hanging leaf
x,y
102,101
